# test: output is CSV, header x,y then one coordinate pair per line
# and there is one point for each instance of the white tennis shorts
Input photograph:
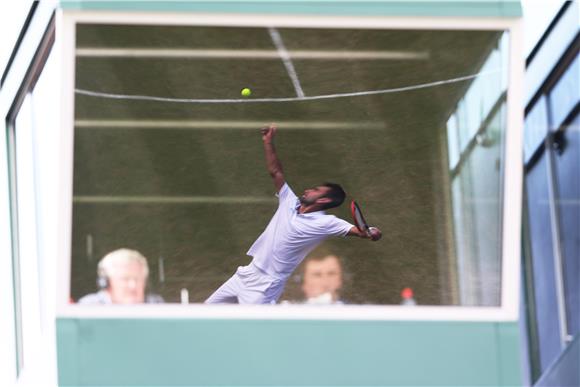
x,y
249,285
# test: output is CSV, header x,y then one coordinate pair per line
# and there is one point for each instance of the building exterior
x,y
551,174
124,127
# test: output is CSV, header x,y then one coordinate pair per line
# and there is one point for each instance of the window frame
x,y
22,95
511,191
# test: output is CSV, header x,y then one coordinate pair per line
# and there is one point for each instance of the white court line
x,y
279,43
240,125
283,99
173,199
95,52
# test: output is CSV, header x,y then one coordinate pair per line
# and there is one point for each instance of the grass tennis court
x,y
187,182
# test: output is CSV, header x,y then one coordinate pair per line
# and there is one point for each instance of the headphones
x,y
102,282
102,278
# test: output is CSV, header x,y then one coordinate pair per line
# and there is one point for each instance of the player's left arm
x,y
272,162
374,233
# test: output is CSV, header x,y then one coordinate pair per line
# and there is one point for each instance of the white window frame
x,y
512,184
32,359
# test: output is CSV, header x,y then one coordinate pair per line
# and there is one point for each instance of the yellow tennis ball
x,y
246,92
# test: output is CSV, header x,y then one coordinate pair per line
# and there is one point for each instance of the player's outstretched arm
x,y
374,233
272,162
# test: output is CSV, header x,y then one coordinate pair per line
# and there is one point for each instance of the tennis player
x,y
297,227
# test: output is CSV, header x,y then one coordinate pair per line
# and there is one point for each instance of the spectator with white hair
x,y
122,279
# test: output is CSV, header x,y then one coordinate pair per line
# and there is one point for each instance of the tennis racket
x,y
359,220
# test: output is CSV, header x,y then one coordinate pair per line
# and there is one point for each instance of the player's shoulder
x,y
324,219
285,191
285,188
334,222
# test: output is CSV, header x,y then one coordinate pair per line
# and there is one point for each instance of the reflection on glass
x,y
475,138
185,182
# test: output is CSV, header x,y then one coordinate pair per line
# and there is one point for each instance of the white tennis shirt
x,y
290,236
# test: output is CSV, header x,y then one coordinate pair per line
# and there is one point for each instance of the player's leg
x,y
274,292
227,293
251,295
261,292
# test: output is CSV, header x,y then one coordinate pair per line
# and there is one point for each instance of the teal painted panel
x,y
183,352
489,8
68,349
509,357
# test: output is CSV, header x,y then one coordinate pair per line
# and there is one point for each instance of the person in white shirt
x,y
296,228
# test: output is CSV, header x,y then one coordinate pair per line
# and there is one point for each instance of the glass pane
x,y
541,240
568,180
477,206
536,128
565,94
182,177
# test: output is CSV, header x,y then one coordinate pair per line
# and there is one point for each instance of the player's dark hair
x,y
336,194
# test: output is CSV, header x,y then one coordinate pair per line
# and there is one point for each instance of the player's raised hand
x,y
268,132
